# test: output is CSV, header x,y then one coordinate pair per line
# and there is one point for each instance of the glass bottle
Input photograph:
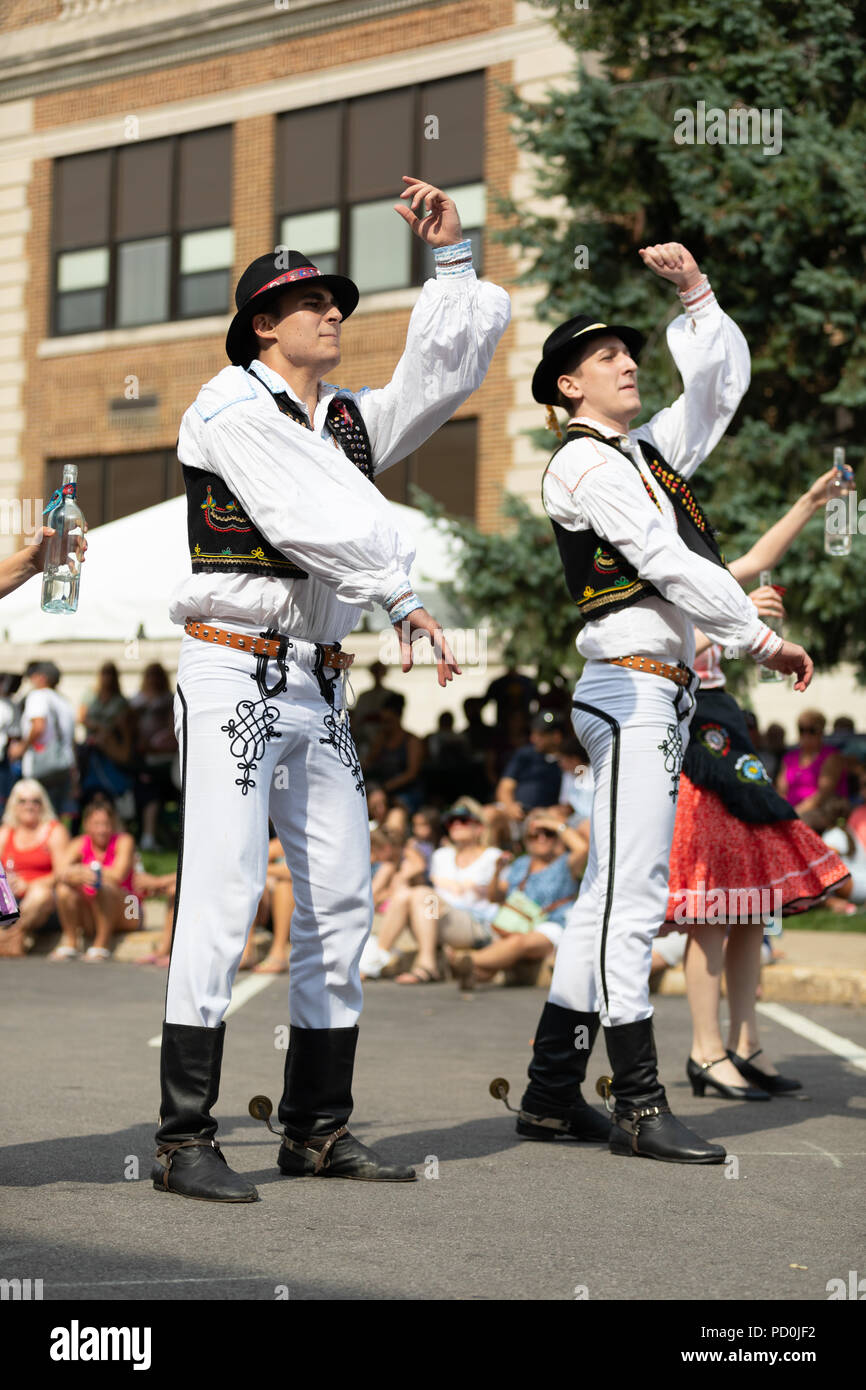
x,y
837,536
62,572
765,674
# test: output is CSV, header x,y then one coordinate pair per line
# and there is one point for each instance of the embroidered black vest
x,y
599,578
222,538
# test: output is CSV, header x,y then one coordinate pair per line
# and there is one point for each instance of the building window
x,y
116,485
445,467
142,233
338,171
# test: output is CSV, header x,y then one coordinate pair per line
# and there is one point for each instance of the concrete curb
x,y
794,981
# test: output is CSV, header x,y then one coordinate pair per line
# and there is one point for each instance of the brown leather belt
x,y
262,646
680,675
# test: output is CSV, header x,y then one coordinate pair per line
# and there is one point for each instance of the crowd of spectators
x,y
479,837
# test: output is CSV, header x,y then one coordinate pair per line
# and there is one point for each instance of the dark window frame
x,y
175,235
409,469
104,460
416,263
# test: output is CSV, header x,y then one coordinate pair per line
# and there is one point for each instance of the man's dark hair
x,y
394,703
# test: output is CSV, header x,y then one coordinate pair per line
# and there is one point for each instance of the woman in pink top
x,y
812,771
94,888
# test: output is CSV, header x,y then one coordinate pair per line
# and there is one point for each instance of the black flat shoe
x,y
697,1074
776,1085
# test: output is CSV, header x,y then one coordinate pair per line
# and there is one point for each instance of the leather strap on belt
x,y
680,675
261,646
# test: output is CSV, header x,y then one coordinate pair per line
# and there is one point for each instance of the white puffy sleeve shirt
x,y
589,485
301,491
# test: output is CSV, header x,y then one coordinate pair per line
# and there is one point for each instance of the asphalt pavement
x,y
491,1217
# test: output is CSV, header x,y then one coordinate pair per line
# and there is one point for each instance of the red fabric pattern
x,y
714,848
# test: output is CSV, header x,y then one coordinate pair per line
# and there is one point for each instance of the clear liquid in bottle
x,y
837,537
62,571
764,673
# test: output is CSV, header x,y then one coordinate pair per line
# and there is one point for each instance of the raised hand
x,y
673,262
419,620
441,225
817,493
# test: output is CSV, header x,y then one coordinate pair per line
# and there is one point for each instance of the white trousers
x,y
245,756
634,727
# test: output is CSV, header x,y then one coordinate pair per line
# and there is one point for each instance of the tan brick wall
x,y
494,400
253,189
15,14
373,39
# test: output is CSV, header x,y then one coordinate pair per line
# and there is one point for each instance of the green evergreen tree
x,y
781,236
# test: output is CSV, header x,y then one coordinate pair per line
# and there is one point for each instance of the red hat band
x,y
304,272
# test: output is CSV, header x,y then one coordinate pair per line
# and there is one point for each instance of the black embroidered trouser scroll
x,y
338,731
254,724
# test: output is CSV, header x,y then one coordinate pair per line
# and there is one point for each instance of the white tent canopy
x,y
133,566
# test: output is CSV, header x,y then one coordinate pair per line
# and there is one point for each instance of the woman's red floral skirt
x,y
725,870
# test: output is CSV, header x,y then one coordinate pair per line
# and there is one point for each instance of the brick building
x,y
149,151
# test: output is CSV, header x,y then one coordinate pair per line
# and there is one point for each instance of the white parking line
x,y
123,1283
241,994
831,1042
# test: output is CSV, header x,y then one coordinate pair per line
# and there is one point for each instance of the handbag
x,y
520,913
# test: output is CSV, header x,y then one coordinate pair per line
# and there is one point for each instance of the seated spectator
x,y
105,756
537,892
857,824
378,804
813,771
155,749
397,867
532,776
397,819
577,786
397,757
33,843
426,832
458,906
146,885
497,827
47,743
276,906
771,749
835,831
95,893
10,728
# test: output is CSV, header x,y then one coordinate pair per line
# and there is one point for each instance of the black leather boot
x,y
315,1108
552,1105
190,1076
642,1122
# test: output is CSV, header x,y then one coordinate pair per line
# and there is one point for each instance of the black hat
x,y
561,344
264,281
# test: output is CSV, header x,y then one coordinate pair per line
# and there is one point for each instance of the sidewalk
x,y
817,967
